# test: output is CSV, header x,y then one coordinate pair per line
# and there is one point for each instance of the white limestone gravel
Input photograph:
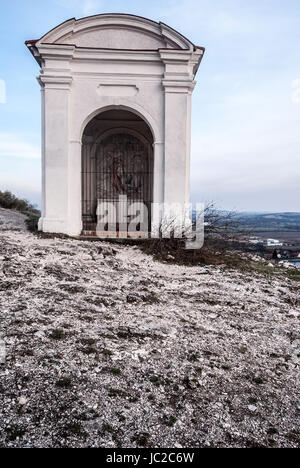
x,y
107,348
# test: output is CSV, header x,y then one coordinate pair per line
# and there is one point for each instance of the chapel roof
x,y
115,31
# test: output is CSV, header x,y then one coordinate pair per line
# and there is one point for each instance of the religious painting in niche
x,y
123,168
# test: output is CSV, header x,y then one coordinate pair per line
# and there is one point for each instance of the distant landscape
x,y
275,222
282,226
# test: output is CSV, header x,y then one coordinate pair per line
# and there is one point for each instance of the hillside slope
x,y
107,348
12,220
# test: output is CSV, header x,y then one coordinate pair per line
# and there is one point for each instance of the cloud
x,y
231,17
11,146
18,186
246,151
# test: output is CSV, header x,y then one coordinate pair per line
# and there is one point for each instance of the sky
x,y
246,105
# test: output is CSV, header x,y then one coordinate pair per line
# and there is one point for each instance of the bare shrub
x,y
220,228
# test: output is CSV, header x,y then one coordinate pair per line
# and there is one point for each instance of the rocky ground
x,y
107,348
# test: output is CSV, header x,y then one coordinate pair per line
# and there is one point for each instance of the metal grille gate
x,y
121,165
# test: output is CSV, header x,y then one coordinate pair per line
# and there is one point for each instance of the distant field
x,y
287,236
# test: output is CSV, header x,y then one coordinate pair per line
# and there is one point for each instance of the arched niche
x,y
117,163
